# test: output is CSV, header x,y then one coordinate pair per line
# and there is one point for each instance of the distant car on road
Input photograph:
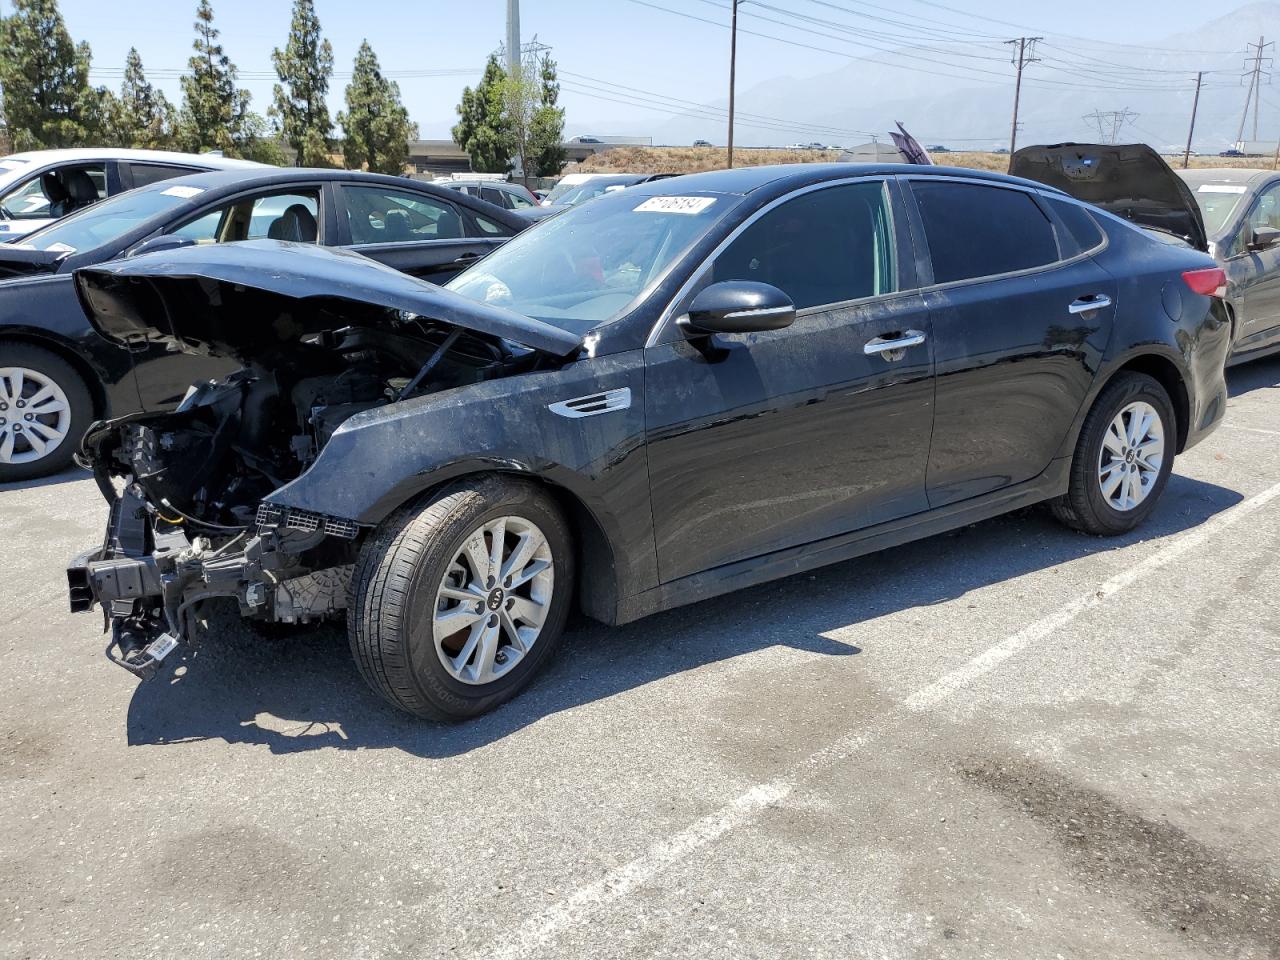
x,y
702,143
585,140
511,196
41,186
65,375
1233,214
1231,153
938,148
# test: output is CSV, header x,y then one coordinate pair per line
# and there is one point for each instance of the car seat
x,y
81,190
395,226
59,202
449,226
296,223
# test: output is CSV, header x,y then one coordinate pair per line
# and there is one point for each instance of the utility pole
x,y
514,65
1195,104
1024,56
733,66
1254,92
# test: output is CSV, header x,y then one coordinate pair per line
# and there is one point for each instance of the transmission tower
x,y
1110,123
1257,69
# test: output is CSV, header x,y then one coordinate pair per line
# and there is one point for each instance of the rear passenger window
x,y
1079,224
144,174
826,246
977,231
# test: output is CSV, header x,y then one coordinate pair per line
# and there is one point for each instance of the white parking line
x,y
533,937
1236,426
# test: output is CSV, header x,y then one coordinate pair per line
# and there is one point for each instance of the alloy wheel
x,y
1131,456
35,415
493,600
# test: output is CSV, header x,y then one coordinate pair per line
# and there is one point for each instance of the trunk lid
x,y
243,300
1129,180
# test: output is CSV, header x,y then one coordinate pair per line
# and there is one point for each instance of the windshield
x,y
109,219
1217,201
578,192
590,264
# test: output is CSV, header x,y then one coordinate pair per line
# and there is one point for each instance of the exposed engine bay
x,y
186,488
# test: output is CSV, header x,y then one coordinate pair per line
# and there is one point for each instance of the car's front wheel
x,y
45,408
1123,458
457,602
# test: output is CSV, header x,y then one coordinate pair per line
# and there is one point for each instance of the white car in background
x,y
41,186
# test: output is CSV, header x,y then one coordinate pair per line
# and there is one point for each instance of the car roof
x,y
72,154
1233,175
787,176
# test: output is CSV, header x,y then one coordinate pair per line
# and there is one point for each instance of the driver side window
x,y
1265,213
822,247
277,216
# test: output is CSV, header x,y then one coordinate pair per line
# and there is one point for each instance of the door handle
x,y
1094,301
896,344
467,258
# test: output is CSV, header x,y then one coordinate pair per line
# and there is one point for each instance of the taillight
x,y
1209,282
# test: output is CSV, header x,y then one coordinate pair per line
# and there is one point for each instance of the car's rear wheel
x,y
45,408
1123,458
459,601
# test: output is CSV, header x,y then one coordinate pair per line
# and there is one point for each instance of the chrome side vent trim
x,y
593,404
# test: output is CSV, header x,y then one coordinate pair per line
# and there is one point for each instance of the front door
x,y
1255,274
759,442
1019,324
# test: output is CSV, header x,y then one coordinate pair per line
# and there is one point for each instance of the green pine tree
x,y
304,67
547,128
483,129
375,124
214,109
141,116
44,79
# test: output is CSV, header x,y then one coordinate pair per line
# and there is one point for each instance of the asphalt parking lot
x,y
1010,741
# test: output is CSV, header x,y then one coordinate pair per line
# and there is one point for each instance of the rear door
x,y
417,233
1021,316
760,442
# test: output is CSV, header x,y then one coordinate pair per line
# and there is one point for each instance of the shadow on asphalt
x,y
1255,375
62,476
303,693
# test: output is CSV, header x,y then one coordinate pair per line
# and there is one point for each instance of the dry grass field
x,y
697,159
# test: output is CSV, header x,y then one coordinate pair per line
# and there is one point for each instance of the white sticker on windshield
x,y
1219,188
186,193
690,205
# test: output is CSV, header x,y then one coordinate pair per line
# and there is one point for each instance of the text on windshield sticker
x,y
689,205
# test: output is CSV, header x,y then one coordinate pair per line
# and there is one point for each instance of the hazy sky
x,y
614,41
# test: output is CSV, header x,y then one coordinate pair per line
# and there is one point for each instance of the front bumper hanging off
x,y
148,580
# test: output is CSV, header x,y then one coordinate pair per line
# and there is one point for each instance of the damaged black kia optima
x,y
682,389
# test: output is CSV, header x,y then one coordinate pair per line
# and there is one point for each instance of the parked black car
x,y
668,393
63,374
1234,214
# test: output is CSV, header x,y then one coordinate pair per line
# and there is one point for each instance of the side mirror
x,y
166,241
738,306
1264,238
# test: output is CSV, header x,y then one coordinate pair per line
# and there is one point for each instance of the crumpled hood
x,y
241,299
1130,180
18,261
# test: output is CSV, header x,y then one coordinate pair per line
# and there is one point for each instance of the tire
x,y
68,410
397,600
1086,506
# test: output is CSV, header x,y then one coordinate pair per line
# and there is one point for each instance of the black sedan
x,y
668,393
61,374
1232,214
